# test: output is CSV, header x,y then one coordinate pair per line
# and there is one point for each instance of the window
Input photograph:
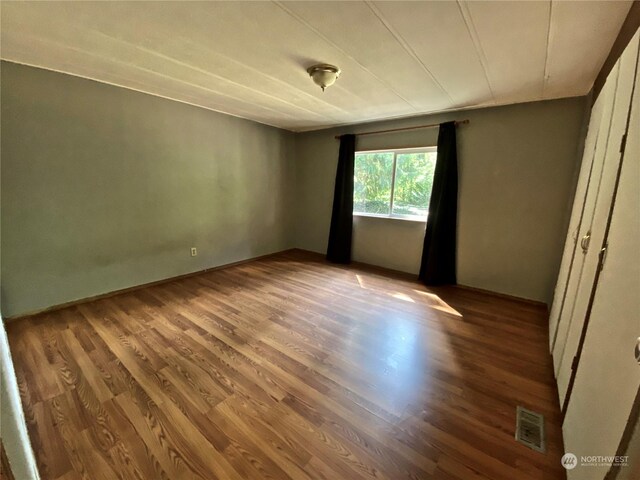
x,y
394,183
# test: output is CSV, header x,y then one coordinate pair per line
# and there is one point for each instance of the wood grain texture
x,y
288,368
5,468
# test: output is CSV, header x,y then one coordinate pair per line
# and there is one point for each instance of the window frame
x,y
391,215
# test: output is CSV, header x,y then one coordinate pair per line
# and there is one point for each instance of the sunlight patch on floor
x,y
436,302
402,296
432,300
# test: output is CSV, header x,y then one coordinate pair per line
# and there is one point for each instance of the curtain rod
x,y
432,125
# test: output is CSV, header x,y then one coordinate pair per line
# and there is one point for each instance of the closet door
x,y
608,376
596,228
568,255
607,95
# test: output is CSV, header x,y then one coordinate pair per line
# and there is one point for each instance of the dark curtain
x,y
339,250
438,265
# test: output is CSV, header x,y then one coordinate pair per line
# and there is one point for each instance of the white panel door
x,y
608,376
598,224
570,246
608,95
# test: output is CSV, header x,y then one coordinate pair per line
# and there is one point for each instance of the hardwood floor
x,y
288,367
5,468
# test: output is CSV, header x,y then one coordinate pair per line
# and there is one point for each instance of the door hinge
x,y
574,363
623,142
602,257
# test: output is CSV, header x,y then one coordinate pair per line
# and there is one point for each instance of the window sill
x,y
390,217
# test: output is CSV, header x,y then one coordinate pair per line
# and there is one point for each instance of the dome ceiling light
x,y
324,75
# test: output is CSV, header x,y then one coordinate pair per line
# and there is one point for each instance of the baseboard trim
x,y
414,277
309,253
361,265
506,296
100,296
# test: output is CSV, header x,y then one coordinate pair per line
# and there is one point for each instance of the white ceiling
x,y
249,58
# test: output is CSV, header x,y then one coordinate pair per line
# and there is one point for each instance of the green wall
x,y
517,172
105,188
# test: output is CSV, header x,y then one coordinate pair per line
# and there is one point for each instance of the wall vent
x,y
530,429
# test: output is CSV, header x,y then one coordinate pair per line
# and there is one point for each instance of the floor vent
x,y
530,429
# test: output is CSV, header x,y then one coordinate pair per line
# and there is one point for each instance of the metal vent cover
x,y
530,429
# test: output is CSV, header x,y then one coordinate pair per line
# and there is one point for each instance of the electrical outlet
x,y
194,251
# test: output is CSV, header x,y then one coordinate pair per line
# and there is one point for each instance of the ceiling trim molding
x,y
112,84
431,113
290,129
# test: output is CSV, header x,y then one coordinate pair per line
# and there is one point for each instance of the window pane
x,y
372,182
414,179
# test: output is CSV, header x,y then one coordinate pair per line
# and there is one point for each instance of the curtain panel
x,y
438,266
339,248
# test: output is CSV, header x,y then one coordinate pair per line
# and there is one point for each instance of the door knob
x,y
637,351
584,243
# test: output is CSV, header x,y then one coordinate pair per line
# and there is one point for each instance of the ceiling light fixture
x,y
324,75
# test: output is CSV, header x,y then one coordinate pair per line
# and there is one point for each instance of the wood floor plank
x,y
288,368
5,467
152,434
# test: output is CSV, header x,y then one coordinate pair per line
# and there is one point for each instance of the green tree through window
x,y
392,183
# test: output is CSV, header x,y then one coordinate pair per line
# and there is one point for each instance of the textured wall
x,y
104,188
